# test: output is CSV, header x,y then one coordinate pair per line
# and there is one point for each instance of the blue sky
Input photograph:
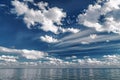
x,y
33,30
15,33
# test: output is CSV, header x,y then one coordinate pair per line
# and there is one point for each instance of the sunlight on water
x,y
59,74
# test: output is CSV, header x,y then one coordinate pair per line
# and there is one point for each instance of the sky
x,y
59,31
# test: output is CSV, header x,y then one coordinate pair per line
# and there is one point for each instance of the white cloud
x,y
103,16
20,8
28,54
87,61
45,16
42,5
8,58
105,61
93,36
72,30
86,37
53,60
32,54
49,18
48,39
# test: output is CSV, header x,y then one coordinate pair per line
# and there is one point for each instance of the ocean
x,y
60,74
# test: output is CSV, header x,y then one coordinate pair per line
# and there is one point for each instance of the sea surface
x,y
60,74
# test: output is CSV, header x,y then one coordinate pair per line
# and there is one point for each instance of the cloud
x,y
86,38
28,54
43,17
72,30
2,5
86,62
80,34
93,36
53,62
20,8
8,58
102,16
49,18
29,0
48,39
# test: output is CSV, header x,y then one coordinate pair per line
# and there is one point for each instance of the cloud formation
x,y
106,61
72,30
44,16
86,37
48,39
8,58
102,16
28,54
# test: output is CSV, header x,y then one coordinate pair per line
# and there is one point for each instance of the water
x,y
60,74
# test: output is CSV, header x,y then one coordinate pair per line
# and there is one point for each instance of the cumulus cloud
x,y
106,61
47,19
72,30
48,39
102,16
44,16
86,61
28,54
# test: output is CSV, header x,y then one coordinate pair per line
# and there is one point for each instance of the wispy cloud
x,y
79,34
29,0
87,39
81,49
2,5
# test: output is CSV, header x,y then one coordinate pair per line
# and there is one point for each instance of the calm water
x,y
59,74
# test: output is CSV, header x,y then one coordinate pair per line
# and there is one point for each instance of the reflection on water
x,y
59,74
